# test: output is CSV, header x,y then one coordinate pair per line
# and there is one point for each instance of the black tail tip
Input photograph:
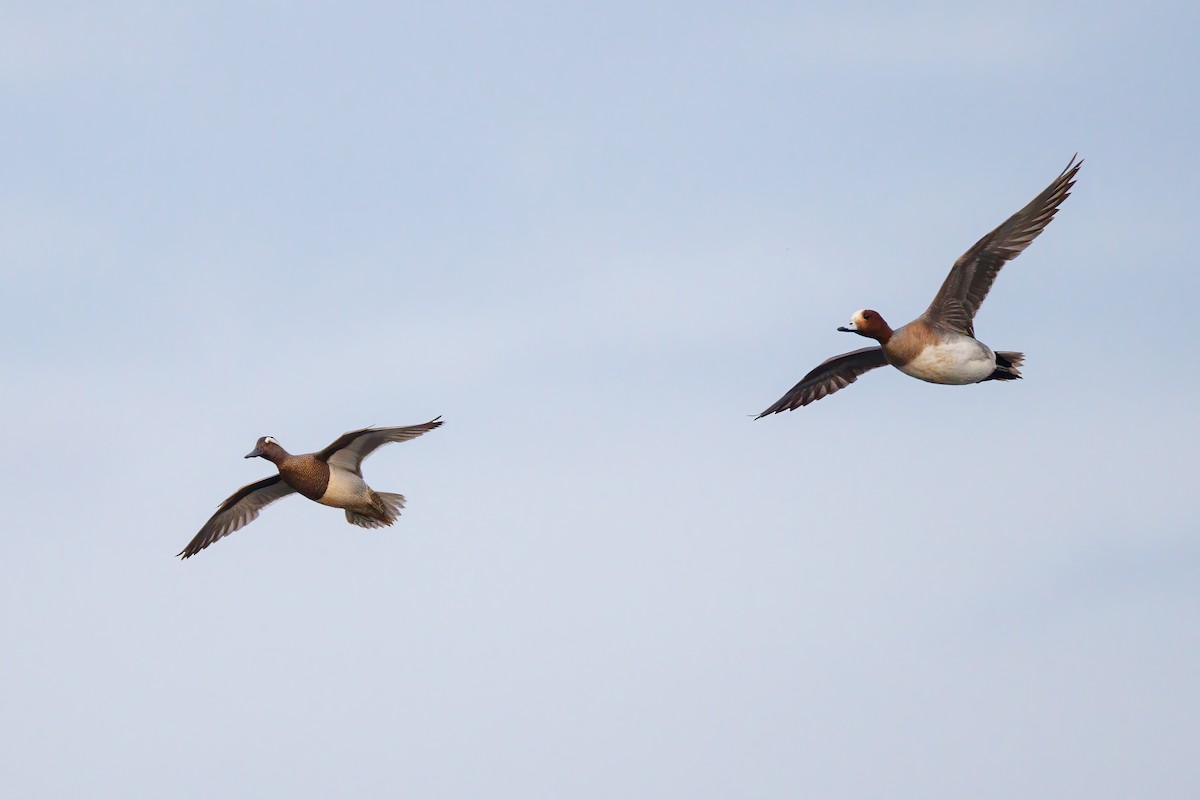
x,y
1007,367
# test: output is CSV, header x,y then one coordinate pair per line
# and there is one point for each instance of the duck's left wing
x,y
349,450
833,374
972,275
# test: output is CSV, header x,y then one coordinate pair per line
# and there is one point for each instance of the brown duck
x,y
332,477
940,345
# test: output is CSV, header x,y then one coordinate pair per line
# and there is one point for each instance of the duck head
x,y
870,324
267,448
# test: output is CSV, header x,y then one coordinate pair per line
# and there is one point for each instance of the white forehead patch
x,y
269,439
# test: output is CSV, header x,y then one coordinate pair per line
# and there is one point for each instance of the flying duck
x,y
332,477
940,345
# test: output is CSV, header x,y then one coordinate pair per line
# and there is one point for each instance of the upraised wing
x,y
973,273
238,510
349,450
833,374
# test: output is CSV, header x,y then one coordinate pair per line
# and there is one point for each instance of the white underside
x,y
346,490
957,360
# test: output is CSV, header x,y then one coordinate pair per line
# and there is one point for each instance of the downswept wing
x,y
349,450
238,510
972,275
831,375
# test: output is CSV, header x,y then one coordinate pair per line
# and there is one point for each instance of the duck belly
x,y
959,360
346,490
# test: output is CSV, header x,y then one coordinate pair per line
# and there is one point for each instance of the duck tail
x,y
1006,367
392,503
387,508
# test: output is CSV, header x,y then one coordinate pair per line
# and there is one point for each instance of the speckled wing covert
x,y
238,510
971,277
833,374
349,450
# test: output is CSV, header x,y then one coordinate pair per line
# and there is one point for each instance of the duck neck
x,y
879,332
276,454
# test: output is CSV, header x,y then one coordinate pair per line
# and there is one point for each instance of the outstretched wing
x,y
972,275
349,450
833,374
237,511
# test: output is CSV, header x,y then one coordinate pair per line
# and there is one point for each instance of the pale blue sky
x,y
596,239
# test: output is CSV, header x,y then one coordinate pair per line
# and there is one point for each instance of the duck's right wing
x,y
238,510
836,373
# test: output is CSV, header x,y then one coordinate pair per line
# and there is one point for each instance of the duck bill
x,y
844,329
253,453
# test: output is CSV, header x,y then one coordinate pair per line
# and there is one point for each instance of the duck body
x,y
951,358
934,353
329,485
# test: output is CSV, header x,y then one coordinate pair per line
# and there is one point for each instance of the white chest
x,y
955,361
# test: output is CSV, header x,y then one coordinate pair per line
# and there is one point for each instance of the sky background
x,y
596,238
